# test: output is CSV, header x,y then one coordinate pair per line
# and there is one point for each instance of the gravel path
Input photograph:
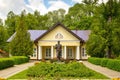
x,y
103,70
5,73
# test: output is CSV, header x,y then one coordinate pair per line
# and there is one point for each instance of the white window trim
x,y
34,52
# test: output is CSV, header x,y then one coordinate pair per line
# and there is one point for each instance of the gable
x,y
59,33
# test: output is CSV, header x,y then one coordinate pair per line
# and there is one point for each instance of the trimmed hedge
x,y
113,64
104,62
6,62
94,60
20,59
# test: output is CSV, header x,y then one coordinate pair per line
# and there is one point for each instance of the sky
x,y
43,6
30,6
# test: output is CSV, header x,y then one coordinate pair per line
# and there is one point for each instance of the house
x,y
72,41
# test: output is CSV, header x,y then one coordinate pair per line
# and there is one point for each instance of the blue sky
x,y
46,2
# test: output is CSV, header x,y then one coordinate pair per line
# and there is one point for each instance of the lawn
x,y
21,75
44,71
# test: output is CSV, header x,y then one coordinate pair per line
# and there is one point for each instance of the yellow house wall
x,y
34,46
59,29
67,40
84,57
67,43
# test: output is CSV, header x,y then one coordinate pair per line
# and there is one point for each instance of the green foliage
x,y
6,62
104,62
11,22
20,59
21,45
23,75
94,60
109,63
106,21
3,36
95,46
79,17
73,69
113,64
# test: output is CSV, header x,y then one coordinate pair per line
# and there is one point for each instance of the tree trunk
x,y
109,51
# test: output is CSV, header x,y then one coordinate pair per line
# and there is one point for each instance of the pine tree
x,y
21,45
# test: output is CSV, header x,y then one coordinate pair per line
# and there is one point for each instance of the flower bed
x,y
72,69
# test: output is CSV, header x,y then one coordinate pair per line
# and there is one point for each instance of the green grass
x,y
23,75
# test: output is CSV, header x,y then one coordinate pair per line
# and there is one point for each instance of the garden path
x,y
5,73
103,70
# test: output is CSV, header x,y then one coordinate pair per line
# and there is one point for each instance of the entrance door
x,y
48,53
70,53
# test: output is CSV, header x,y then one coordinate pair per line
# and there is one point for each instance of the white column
x,y
65,55
51,52
77,52
39,52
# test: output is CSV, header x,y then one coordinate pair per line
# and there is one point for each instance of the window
x,y
34,52
70,54
48,53
84,52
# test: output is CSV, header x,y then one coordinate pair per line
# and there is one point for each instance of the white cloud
x,y
18,5
55,5
37,5
12,5
100,1
77,1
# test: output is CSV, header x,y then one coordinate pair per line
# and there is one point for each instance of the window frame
x,y
47,53
70,53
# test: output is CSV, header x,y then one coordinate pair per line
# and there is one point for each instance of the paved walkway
x,y
16,69
103,70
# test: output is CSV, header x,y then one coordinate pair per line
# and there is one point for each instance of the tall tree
x,y
3,36
21,45
106,22
55,16
80,15
10,22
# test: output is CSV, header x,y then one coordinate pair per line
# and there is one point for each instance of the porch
x,y
68,52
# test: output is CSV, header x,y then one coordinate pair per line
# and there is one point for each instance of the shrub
x,y
73,69
94,60
6,62
113,64
20,59
104,62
